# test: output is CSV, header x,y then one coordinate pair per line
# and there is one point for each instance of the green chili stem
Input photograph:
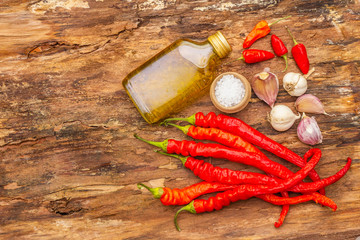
x,y
240,58
190,208
181,158
156,192
295,42
162,145
190,120
184,129
279,20
286,62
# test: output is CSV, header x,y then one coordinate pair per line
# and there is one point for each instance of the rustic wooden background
x,y
69,163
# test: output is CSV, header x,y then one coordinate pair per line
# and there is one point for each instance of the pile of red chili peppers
x,y
232,139
261,30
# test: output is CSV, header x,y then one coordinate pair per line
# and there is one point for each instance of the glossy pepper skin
x,y
208,172
260,30
185,195
244,192
230,140
256,55
279,48
192,148
240,128
300,55
318,198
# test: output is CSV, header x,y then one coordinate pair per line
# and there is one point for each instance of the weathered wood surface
x,y
69,162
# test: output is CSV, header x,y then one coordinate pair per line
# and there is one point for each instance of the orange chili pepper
x,y
260,30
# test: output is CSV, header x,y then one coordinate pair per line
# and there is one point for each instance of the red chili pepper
x,y
244,192
185,195
308,187
279,49
300,55
255,55
260,30
218,135
318,198
192,148
230,140
240,128
208,172
284,211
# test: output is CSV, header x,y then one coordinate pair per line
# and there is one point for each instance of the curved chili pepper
x,y
308,187
284,211
300,55
230,140
279,49
208,172
260,30
192,148
185,195
244,192
240,128
316,197
218,135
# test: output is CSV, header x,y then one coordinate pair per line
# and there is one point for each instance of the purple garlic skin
x,y
308,103
308,131
266,86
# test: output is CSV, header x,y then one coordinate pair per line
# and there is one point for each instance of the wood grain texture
x,y
69,163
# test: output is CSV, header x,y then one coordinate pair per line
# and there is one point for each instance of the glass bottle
x,y
175,77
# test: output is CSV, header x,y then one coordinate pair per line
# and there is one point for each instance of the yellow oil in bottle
x,y
175,77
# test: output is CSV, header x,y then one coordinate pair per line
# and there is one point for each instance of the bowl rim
x,y
242,104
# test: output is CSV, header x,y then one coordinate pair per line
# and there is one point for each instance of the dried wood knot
x,y
64,206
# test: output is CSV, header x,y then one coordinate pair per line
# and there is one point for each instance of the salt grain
x,y
229,91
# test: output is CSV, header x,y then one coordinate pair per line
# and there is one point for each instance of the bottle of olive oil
x,y
175,77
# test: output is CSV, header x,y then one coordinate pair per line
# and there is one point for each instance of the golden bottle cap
x,y
221,46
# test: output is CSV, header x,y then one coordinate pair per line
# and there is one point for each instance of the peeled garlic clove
x,y
308,131
295,84
308,103
282,118
266,86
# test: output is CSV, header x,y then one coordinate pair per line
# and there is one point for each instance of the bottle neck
x,y
221,46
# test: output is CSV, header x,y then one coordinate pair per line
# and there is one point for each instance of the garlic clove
x,y
282,118
308,131
309,103
295,84
266,86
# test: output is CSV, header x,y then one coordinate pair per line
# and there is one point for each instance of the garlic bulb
x,y
266,86
310,104
308,131
282,118
295,83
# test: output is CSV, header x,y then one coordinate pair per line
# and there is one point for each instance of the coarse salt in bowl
x,y
230,92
